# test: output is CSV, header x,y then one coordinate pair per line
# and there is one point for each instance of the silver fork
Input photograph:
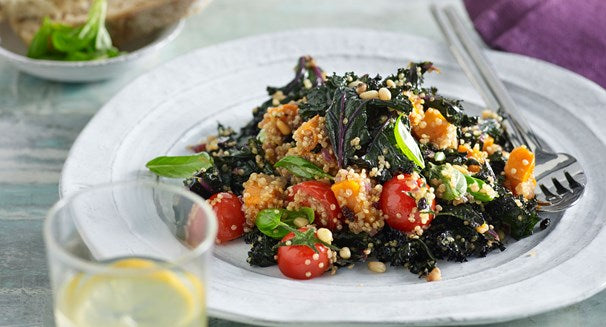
x,y
553,170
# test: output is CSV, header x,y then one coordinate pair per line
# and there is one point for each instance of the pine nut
x,y
307,84
482,228
369,95
434,275
300,222
361,88
377,266
345,253
384,94
324,235
354,83
390,84
284,129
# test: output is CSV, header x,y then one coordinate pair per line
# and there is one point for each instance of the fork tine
x,y
571,181
548,195
559,187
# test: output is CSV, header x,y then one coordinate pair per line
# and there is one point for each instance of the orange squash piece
x,y
488,142
519,169
474,152
439,131
347,190
520,165
307,134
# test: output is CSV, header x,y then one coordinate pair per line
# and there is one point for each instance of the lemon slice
x,y
156,297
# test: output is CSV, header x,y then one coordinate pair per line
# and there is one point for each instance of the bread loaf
x,y
126,19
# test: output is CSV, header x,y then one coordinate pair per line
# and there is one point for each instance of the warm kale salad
x,y
336,170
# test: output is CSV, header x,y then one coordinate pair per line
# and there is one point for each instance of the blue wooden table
x,y
39,121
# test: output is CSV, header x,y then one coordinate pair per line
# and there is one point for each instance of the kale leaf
x,y
493,128
451,109
358,244
346,121
306,69
470,215
453,235
383,145
412,76
318,100
397,248
517,217
233,165
263,248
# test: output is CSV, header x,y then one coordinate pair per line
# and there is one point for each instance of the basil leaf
x,y
407,143
87,42
76,39
271,221
179,166
453,180
268,222
39,46
301,167
482,192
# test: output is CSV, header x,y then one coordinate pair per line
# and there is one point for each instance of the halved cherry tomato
x,y
321,199
228,208
397,203
300,261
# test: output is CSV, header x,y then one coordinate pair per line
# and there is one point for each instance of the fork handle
x,y
483,76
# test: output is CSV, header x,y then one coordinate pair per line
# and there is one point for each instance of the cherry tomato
x,y
228,208
300,261
397,204
321,199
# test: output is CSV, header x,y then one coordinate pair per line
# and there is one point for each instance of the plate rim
x,y
248,319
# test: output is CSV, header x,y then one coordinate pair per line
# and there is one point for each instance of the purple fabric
x,y
569,33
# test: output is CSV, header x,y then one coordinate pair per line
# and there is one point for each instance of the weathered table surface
x,y
39,121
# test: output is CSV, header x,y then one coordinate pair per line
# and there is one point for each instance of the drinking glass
x,y
130,254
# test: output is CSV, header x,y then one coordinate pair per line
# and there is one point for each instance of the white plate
x,y
178,103
139,52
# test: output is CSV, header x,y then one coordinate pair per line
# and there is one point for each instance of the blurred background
x,y
40,119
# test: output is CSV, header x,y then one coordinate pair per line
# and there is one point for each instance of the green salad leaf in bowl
x,y
91,41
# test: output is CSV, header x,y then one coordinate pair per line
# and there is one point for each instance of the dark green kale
x,y
383,144
372,83
400,250
453,235
516,218
306,69
233,165
359,245
450,156
318,100
263,248
451,109
411,77
497,163
398,101
206,182
493,128
486,173
346,121
237,166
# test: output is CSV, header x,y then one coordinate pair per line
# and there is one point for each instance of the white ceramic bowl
x,y
13,50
